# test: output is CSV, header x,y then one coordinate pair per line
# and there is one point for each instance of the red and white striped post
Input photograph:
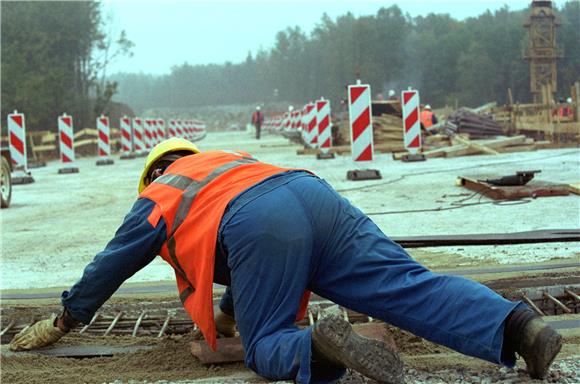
x,y
171,131
66,144
324,128
312,125
104,141
161,129
138,136
148,135
154,138
179,128
412,125
126,139
361,127
361,131
17,140
17,143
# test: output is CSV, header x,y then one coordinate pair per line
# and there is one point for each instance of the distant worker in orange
x,y
428,118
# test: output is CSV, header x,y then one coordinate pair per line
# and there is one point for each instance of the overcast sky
x,y
172,32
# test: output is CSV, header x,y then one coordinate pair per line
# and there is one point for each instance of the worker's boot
x,y
334,341
534,340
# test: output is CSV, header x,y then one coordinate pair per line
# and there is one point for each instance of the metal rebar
x,y
310,317
8,327
572,294
531,304
165,325
95,317
113,323
138,323
557,302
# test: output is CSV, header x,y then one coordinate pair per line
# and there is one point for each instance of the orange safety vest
x,y
191,196
426,118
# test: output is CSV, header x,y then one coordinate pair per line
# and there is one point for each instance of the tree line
x,y
450,61
54,57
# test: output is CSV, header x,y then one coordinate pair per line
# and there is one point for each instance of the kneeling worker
x,y
271,235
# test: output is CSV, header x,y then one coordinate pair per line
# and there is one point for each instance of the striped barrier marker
x,y
126,139
295,120
154,138
104,141
171,132
303,124
148,135
411,125
138,137
312,126
287,121
161,129
324,129
66,144
179,128
17,143
361,130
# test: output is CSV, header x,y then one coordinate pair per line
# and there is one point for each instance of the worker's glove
x,y
38,335
225,326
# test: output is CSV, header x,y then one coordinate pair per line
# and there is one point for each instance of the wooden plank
x,y
474,145
231,349
493,144
535,189
574,188
345,149
526,237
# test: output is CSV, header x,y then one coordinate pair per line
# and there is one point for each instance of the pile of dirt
x,y
170,359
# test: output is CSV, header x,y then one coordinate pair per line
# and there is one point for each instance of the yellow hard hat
x,y
174,144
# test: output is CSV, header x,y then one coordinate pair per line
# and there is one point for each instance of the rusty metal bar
x,y
531,304
165,325
8,327
95,317
557,302
138,323
572,294
113,323
310,317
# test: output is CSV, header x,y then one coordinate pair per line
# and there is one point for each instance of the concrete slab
x,y
56,225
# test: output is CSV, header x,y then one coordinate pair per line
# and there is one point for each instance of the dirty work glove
x,y
38,335
225,326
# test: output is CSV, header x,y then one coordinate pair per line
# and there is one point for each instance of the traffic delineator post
x,y
104,141
17,143
126,139
312,125
171,132
324,129
66,144
361,131
138,137
411,125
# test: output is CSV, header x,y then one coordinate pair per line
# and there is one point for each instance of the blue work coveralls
x,y
293,232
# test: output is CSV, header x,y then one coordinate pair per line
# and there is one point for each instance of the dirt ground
x,y
56,226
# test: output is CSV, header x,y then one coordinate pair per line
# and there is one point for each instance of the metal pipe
x,y
572,294
531,304
310,317
10,325
165,325
557,302
113,323
138,323
95,317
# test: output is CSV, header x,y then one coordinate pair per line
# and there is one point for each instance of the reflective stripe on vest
x,y
190,190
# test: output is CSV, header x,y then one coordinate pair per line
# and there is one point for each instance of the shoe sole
x,y
334,337
553,347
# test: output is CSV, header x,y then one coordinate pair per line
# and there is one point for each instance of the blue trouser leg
x,y
304,235
269,244
364,270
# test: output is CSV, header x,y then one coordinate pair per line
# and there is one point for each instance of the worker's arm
x,y
135,245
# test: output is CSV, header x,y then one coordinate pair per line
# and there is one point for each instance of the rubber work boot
x,y
538,345
335,341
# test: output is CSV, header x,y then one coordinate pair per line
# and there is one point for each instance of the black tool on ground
x,y
363,174
520,178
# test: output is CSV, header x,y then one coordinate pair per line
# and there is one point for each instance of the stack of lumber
x,y
462,146
387,129
45,144
476,125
